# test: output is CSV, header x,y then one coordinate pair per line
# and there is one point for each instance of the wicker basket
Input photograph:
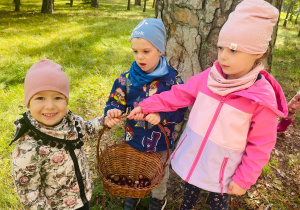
x,y
122,159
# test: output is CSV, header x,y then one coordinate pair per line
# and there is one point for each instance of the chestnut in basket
x,y
129,181
123,178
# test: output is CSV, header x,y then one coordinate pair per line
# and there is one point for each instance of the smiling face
x,y
48,107
145,54
236,64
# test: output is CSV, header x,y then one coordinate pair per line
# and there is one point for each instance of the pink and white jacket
x,y
226,137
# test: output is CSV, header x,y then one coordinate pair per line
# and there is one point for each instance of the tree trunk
x,y
268,61
192,31
153,5
137,2
47,6
296,19
288,12
95,3
17,5
144,10
71,3
128,5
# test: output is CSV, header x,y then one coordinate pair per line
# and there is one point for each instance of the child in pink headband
x,y
231,129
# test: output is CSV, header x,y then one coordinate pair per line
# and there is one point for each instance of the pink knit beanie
x,y
45,75
249,28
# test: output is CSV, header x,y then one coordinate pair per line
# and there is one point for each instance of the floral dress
x,y
49,166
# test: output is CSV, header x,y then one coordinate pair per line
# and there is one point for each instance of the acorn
x,y
141,176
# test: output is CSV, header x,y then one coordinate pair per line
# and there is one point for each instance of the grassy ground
x,y
93,47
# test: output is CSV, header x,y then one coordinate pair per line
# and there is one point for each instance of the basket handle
x,y
125,115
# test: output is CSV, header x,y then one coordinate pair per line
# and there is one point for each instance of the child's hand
x,y
235,189
153,118
113,113
136,114
111,122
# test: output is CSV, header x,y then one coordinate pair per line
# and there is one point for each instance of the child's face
x,y
48,107
145,54
236,64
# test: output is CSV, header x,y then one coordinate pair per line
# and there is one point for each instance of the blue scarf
x,y
139,78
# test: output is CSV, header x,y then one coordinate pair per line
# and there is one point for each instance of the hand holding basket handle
x,y
125,115
122,159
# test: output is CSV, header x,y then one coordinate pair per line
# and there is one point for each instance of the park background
x,y
92,44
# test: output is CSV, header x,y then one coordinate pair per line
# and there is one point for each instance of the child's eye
x,y
59,98
134,51
39,98
146,51
232,50
220,48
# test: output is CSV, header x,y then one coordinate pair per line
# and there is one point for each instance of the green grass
x,y
91,44
93,47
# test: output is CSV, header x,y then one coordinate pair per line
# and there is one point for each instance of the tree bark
x,y
95,3
17,5
47,6
71,3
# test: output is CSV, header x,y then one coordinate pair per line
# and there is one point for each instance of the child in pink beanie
x,y
49,166
231,129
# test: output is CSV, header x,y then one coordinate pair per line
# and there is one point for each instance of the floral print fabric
x,y
44,176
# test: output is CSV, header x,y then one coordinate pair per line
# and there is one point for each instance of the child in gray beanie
x,y
149,74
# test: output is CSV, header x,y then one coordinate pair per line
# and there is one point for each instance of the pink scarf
x,y
218,83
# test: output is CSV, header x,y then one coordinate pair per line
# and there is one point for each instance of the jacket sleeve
x,y
117,97
182,95
175,116
26,167
261,140
93,127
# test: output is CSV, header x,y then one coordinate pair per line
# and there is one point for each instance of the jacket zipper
x,y
222,170
177,149
211,125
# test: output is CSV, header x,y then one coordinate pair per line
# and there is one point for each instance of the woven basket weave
x,y
122,159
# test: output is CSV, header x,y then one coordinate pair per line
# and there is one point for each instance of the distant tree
x,y
137,2
154,2
17,5
128,5
71,3
95,3
144,10
291,4
47,6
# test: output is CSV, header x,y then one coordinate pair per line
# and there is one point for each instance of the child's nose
x,y
223,54
50,104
